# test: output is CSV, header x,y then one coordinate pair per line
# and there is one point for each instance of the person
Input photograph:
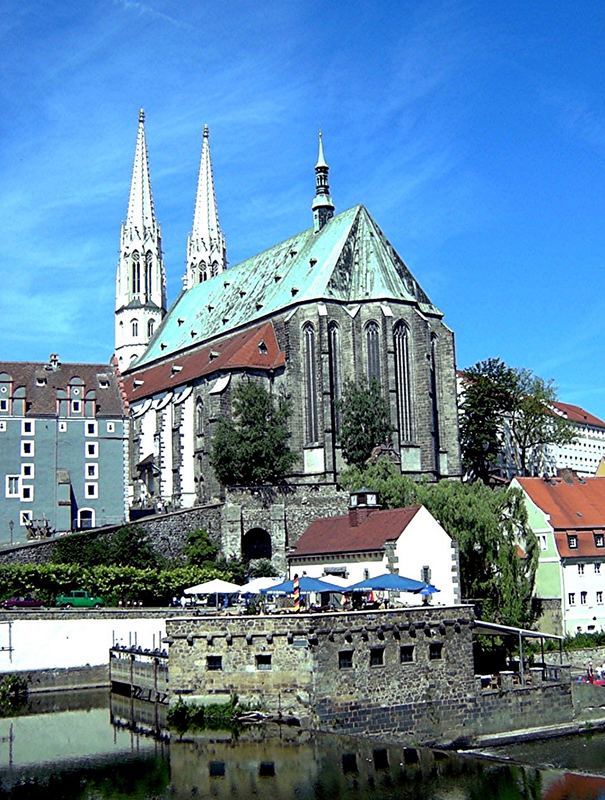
x,y
183,601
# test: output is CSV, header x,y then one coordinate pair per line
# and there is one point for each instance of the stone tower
x,y
140,278
322,205
206,250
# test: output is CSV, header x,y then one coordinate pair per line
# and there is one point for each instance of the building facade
x,y
567,515
63,447
332,304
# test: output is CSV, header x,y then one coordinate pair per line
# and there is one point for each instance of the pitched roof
x,y
348,260
586,544
573,503
338,535
579,415
255,348
103,379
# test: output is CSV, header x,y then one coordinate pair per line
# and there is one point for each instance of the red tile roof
x,y
571,505
586,545
578,415
256,348
338,535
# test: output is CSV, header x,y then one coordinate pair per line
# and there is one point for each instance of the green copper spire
x,y
322,205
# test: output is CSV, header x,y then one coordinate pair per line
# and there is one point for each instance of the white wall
x,y
63,643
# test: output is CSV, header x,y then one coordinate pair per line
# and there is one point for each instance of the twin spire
x,y
140,203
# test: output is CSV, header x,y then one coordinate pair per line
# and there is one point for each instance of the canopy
x,y
306,585
257,584
391,582
215,586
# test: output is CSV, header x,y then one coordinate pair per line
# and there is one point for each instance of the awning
x,y
495,629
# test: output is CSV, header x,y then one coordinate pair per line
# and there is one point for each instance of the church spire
x,y
206,249
322,205
140,278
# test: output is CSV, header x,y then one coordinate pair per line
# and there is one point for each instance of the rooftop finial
x,y
142,115
322,205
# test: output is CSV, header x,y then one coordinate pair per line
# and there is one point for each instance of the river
x,y
85,747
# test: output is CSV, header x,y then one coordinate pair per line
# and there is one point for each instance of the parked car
x,y
78,598
23,601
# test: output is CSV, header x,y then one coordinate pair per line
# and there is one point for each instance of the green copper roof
x,y
349,260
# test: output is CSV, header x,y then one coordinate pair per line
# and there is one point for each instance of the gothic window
x,y
335,377
373,351
135,327
136,273
148,265
199,417
214,269
434,399
310,380
150,327
401,336
202,269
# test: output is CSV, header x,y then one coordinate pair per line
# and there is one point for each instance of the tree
x,y
252,448
498,551
507,415
200,550
365,421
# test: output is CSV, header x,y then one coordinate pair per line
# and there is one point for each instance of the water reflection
x,y
91,749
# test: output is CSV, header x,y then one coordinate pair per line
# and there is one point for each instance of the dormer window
x,y
572,541
599,540
366,498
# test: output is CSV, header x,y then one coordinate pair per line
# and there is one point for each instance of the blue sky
x,y
474,132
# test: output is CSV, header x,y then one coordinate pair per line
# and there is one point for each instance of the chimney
x,y
361,505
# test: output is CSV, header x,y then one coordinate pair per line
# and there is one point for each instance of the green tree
x,y
200,550
252,448
498,551
507,413
365,421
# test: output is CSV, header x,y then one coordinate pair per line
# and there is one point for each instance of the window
x,y
373,351
597,569
572,541
345,659
3,404
214,663
583,598
135,327
310,380
136,273
25,517
62,427
76,406
599,598
28,471
91,471
580,569
92,490
86,518
27,427
199,417
216,769
401,337
27,448
13,486
150,327
111,427
542,541
599,540
263,662
27,494
2,425
148,266
435,651
92,449
406,653
335,377
571,598
376,656
91,429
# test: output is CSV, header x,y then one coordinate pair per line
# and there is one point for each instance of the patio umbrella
x,y
257,584
216,586
306,585
390,582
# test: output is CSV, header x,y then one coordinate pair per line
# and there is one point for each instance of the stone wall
x,y
549,615
408,672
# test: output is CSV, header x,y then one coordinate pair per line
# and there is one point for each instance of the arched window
x,y
373,351
86,518
150,327
136,273
202,271
148,265
310,378
199,417
135,327
335,377
434,399
401,337
214,269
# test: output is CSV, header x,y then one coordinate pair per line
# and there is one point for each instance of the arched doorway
x,y
86,518
256,544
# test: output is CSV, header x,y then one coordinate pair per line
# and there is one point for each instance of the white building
x,y
369,541
584,454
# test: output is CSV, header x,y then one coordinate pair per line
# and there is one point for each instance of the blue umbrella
x,y
428,589
306,585
390,582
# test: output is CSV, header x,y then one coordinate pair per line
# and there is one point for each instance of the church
x,y
333,303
